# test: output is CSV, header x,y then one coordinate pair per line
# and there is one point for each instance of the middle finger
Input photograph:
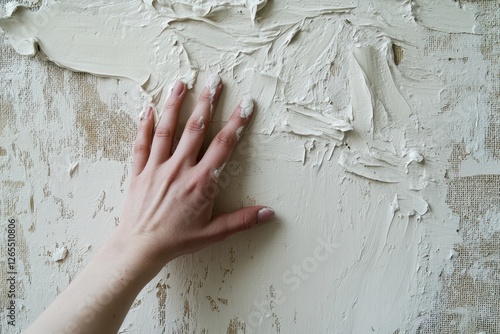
x,y
196,127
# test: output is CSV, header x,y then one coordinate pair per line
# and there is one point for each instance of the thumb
x,y
240,220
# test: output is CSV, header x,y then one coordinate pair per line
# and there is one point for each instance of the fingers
x,y
165,131
241,220
219,151
197,125
142,143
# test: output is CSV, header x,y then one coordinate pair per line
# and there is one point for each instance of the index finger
x,y
221,147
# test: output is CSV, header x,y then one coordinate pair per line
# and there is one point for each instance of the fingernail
x,y
246,106
265,214
239,132
213,81
178,88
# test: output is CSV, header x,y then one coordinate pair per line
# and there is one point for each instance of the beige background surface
x,y
65,143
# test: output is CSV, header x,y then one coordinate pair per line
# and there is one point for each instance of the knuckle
x,y
246,224
163,132
141,148
172,103
194,126
207,188
196,185
226,139
206,98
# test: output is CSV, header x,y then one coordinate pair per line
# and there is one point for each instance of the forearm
x,y
99,298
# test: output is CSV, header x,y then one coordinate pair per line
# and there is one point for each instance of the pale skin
x,y
168,213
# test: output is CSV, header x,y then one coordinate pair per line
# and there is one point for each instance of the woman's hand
x,y
168,209
168,213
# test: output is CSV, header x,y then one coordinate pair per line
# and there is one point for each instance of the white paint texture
x,y
365,111
246,106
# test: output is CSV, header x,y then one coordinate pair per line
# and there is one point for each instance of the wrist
x,y
129,259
